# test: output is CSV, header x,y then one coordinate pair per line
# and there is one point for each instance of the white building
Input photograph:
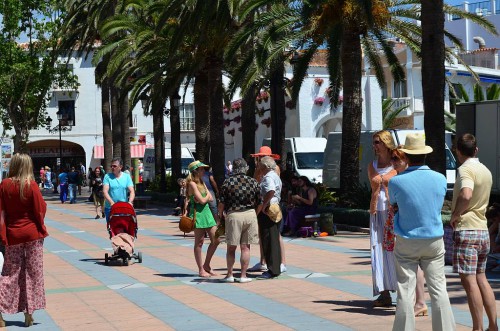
x,y
84,142
481,54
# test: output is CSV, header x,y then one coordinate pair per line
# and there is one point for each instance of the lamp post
x,y
69,121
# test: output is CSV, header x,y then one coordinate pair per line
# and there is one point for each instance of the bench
x,y
142,201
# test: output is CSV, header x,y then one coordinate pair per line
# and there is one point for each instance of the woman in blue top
x,y
199,197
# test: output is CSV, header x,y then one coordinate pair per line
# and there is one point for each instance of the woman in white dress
x,y
379,173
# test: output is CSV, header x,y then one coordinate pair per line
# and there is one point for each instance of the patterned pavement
x,y
327,286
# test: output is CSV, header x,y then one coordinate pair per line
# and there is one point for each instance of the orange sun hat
x,y
266,151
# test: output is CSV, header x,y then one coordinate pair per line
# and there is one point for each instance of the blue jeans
x,y
63,192
72,193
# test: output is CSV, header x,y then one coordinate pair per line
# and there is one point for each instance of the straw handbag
x,y
186,224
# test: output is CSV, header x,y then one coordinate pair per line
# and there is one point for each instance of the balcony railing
x,y
401,102
481,8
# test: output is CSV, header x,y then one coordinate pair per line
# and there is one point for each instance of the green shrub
x,y
355,217
168,197
172,186
325,196
357,197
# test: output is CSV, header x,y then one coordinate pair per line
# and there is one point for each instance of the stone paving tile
x,y
327,287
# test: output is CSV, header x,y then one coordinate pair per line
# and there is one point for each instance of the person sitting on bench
x,y
305,203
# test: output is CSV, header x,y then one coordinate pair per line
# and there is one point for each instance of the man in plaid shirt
x,y
239,196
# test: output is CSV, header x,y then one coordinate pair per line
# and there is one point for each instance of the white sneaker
x,y
227,280
282,268
258,267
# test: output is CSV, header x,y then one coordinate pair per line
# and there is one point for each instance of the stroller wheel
x,y
125,261
139,257
106,259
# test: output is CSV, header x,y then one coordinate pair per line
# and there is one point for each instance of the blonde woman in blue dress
x,y
199,197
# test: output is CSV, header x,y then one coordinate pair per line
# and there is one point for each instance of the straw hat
x,y
266,151
197,164
415,144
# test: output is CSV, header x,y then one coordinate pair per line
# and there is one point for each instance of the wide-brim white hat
x,y
415,144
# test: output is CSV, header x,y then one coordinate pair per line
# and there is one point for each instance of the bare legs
x,y
244,259
204,269
420,308
479,294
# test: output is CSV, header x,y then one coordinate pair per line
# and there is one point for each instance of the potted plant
x,y
318,101
318,81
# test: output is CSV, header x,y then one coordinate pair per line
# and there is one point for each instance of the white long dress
x,y
383,268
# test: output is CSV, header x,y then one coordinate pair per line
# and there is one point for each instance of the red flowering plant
x,y
318,81
235,106
318,101
231,132
290,104
264,95
237,119
227,122
225,110
266,121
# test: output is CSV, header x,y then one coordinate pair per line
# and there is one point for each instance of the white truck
x,y
149,162
304,156
482,119
331,169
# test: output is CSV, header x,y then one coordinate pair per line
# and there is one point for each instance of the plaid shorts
x,y
470,251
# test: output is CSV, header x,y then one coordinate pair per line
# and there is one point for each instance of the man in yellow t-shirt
x,y
471,239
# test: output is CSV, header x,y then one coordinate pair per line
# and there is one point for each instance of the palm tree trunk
x,y
248,124
217,147
158,134
116,126
106,124
202,114
278,114
352,117
125,126
433,81
175,139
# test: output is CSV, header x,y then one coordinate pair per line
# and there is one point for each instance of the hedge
x,y
360,217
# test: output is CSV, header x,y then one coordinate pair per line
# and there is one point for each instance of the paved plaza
x,y
327,286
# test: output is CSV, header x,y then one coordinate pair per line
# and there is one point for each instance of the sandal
x,y
383,301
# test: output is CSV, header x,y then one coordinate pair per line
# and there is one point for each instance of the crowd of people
x,y
406,230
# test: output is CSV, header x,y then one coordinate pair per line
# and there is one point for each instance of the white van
x,y
149,162
304,156
331,169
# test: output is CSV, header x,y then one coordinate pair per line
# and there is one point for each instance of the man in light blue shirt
x,y
417,195
115,186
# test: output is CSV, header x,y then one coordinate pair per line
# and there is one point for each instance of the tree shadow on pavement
x,y
360,307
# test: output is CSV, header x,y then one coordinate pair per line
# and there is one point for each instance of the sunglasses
x,y
376,142
395,159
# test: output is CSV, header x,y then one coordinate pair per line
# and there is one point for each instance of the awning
x,y
136,151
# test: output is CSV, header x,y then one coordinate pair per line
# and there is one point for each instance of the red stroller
x,y
122,228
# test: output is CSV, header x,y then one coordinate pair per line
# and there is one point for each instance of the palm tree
x,y
260,49
81,32
215,22
433,80
390,113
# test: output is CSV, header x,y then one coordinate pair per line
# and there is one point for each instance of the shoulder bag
x,y
186,223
